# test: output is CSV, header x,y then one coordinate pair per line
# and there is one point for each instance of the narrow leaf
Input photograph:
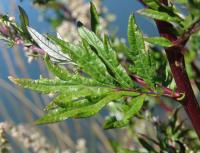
x,y
143,64
50,48
107,56
61,114
163,16
153,4
161,41
94,18
63,74
23,17
71,99
135,39
146,145
86,59
136,106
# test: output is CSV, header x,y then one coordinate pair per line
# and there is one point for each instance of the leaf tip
x,y
40,121
79,24
13,79
19,7
131,17
91,3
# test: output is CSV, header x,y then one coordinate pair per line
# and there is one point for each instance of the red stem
x,y
177,65
166,91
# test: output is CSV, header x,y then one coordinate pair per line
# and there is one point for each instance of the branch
x,y
177,65
166,91
10,35
181,41
176,61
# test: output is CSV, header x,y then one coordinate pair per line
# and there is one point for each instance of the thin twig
x,y
166,91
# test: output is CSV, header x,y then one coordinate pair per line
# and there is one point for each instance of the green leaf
x,y
135,106
146,145
158,15
61,114
145,67
86,59
153,4
98,79
63,74
94,18
110,122
57,70
56,85
53,50
96,42
182,1
169,9
135,39
23,18
143,64
72,99
46,85
74,103
107,56
161,41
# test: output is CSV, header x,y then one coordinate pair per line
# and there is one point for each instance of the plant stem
x,y
177,65
166,91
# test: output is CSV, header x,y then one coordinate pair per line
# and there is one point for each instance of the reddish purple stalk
x,y
177,65
166,91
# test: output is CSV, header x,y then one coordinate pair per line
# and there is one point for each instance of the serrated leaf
x,y
169,9
158,15
63,74
143,64
135,106
61,114
135,39
161,41
50,48
52,85
96,42
94,18
72,99
86,59
107,56
65,103
145,68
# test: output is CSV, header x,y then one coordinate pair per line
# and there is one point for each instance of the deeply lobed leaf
x,y
99,77
107,55
143,64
